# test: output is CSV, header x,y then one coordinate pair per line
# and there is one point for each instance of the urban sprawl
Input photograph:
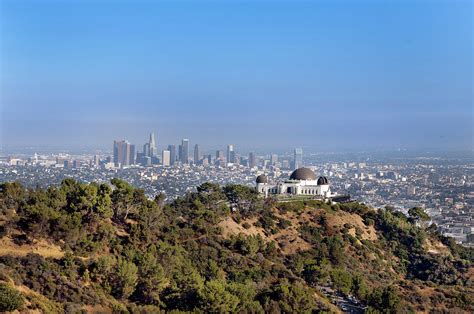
x,y
442,185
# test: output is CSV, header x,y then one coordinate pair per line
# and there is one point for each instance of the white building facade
x,y
303,181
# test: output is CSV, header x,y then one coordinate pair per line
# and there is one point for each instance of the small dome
x,y
323,181
262,179
303,174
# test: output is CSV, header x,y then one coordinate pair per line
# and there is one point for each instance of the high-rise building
x,y
152,144
219,155
230,153
166,158
96,160
172,149
252,163
124,153
274,159
146,150
184,151
196,154
298,158
132,154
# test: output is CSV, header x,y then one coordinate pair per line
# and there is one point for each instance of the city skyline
x,y
124,154
319,75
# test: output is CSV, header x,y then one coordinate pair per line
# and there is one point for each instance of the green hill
x,y
107,248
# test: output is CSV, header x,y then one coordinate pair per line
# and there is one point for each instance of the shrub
x,y
10,299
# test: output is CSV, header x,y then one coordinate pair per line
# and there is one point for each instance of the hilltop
x,y
107,248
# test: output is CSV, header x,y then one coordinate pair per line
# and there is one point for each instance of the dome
x,y
323,181
262,179
303,174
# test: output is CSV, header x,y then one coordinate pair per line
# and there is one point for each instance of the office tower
x,y
274,159
172,149
152,145
209,159
219,155
146,161
166,160
132,154
252,160
236,159
196,154
230,153
298,158
123,151
68,164
146,150
184,151
180,152
96,160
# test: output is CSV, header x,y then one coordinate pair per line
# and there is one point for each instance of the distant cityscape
x,y
126,155
442,185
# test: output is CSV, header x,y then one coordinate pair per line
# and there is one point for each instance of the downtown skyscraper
x,y
252,162
172,150
184,152
230,153
298,158
124,153
196,154
152,145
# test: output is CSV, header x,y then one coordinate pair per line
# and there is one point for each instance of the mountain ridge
x,y
220,249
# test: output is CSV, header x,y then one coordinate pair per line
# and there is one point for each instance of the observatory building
x,y
303,181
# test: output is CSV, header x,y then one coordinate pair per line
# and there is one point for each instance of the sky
x,y
262,75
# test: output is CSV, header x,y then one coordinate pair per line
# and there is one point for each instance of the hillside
x,y
107,248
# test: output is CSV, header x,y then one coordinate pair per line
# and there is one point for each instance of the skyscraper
x,y
184,151
196,154
166,158
252,163
124,153
146,150
298,158
132,154
219,155
96,160
152,145
230,153
172,149
274,159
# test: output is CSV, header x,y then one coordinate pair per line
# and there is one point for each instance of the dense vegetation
x,y
122,252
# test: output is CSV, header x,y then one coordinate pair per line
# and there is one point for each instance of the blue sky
x,y
324,75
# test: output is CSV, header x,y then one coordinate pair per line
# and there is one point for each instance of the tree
x,y
418,215
314,274
125,198
294,298
152,279
125,278
359,287
241,196
216,299
10,299
103,205
384,299
342,280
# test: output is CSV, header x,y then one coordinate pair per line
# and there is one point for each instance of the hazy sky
x,y
323,75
